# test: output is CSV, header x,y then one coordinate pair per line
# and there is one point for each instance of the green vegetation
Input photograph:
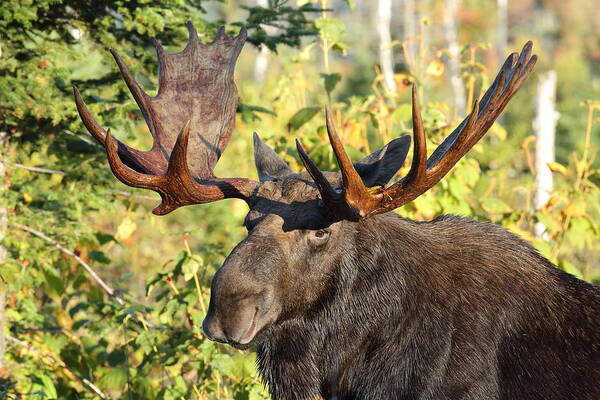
x,y
68,337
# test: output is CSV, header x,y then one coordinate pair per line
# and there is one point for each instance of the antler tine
x,y
124,174
97,131
328,193
138,93
354,190
419,162
508,65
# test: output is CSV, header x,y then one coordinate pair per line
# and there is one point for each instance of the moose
x,y
343,298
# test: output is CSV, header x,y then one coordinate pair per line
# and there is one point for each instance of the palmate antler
x,y
196,102
355,201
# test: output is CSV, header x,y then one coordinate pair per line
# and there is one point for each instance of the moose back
x,y
343,298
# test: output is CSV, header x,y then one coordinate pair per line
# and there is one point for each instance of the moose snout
x,y
212,330
242,298
237,325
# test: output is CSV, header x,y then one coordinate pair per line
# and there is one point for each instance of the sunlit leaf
x,y
495,205
331,30
435,68
301,117
125,229
557,167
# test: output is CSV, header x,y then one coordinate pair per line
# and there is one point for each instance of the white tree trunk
x,y
501,27
544,126
453,61
261,64
382,24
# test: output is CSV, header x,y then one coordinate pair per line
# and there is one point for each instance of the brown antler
x,y
355,201
196,97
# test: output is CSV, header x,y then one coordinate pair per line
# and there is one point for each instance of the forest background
x,y
101,299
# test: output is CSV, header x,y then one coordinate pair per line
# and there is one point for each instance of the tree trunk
x,y
544,126
501,28
3,251
453,60
261,64
382,24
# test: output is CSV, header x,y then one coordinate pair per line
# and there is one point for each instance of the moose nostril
x,y
212,330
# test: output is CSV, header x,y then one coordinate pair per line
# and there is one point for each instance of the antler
x,y
355,201
196,97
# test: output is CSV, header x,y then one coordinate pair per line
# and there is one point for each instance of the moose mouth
x,y
253,334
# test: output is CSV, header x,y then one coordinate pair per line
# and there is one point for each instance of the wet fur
x,y
447,309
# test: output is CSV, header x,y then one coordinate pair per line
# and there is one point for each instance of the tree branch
x,y
135,196
42,170
57,363
109,290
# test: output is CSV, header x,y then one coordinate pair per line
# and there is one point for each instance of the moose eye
x,y
321,234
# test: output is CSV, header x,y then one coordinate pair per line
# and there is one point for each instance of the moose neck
x,y
313,354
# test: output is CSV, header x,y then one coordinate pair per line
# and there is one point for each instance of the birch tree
x,y
501,27
382,24
262,59
453,60
544,126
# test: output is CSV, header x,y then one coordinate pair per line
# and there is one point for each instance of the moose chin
x,y
343,298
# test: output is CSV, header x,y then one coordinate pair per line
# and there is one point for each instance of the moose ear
x,y
378,168
268,164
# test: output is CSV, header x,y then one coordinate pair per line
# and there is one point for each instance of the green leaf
x,y
457,188
330,81
191,267
570,268
330,29
104,238
146,340
99,256
54,283
301,117
114,378
350,4
116,357
48,387
543,247
469,171
550,222
403,113
495,206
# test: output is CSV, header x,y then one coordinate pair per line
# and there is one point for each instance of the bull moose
x,y
343,298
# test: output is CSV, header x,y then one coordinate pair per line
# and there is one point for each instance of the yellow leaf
x,y
435,68
125,229
55,179
576,208
27,197
41,80
557,167
514,228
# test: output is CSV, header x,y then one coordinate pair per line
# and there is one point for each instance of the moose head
x,y
301,226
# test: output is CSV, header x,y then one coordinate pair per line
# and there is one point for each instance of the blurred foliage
x,y
69,339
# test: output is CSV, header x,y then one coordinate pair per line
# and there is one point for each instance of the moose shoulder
x,y
344,299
